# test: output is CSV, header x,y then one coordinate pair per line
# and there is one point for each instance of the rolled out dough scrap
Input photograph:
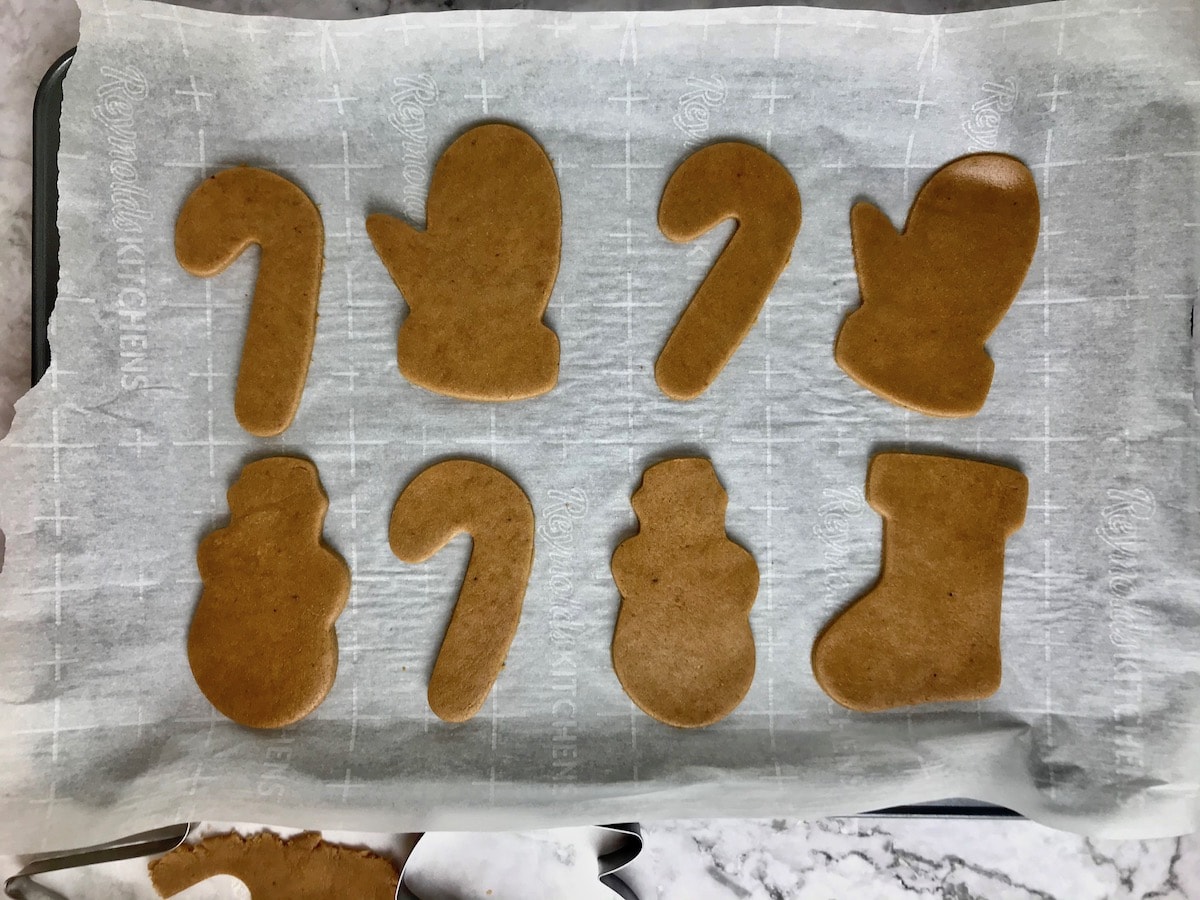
x,y
262,645
932,295
445,500
227,213
682,648
478,279
725,181
929,630
301,868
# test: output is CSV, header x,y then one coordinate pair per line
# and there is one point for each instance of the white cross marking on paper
x,y
404,24
857,25
1047,165
628,234
58,518
337,99
629,99
780,22
1054,93
202,165
908,163
1047,234
771,96
483,96
347,167
629,35
208,374
108,15
328,48
770,576
195,93
1128,157
179,23
211,443
919,102
628,166
840,440
141,584
138,443
931,44
480,26
558,27
56,445
247,28
55,371
352,442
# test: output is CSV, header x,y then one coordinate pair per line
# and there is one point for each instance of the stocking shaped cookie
x,y
929,630
262,645
683,649
301,868
446,499
478,279
932,295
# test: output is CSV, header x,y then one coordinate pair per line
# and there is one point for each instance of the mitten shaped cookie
x,y
929,630
932,295
301,868
478,279
683,649
262,646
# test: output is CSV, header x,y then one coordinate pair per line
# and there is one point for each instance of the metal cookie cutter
x,y
161,840
147,843
628,838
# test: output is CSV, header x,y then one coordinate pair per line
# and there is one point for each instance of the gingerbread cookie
x,y
445,500
262,645
301,868
929,630
478,279
719,182
226,214
682,648
932,295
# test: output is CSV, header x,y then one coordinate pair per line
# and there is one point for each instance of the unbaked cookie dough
x,y
718,182
478,278
932,295
301,868
227,213
929,630
682,648
445,500
262,646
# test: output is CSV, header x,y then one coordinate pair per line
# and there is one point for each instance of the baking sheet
x,y
119,459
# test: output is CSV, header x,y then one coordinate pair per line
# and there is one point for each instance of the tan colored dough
x,y
929,630
445,500
227,213
682,648
262,646
932,295
301,868
718,182
478,279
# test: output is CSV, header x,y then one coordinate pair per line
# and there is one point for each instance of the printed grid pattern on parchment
x,y
131,441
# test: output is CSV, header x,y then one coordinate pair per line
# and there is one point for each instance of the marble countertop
x,y
778,859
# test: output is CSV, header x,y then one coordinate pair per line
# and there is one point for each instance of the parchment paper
x,y
119,460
